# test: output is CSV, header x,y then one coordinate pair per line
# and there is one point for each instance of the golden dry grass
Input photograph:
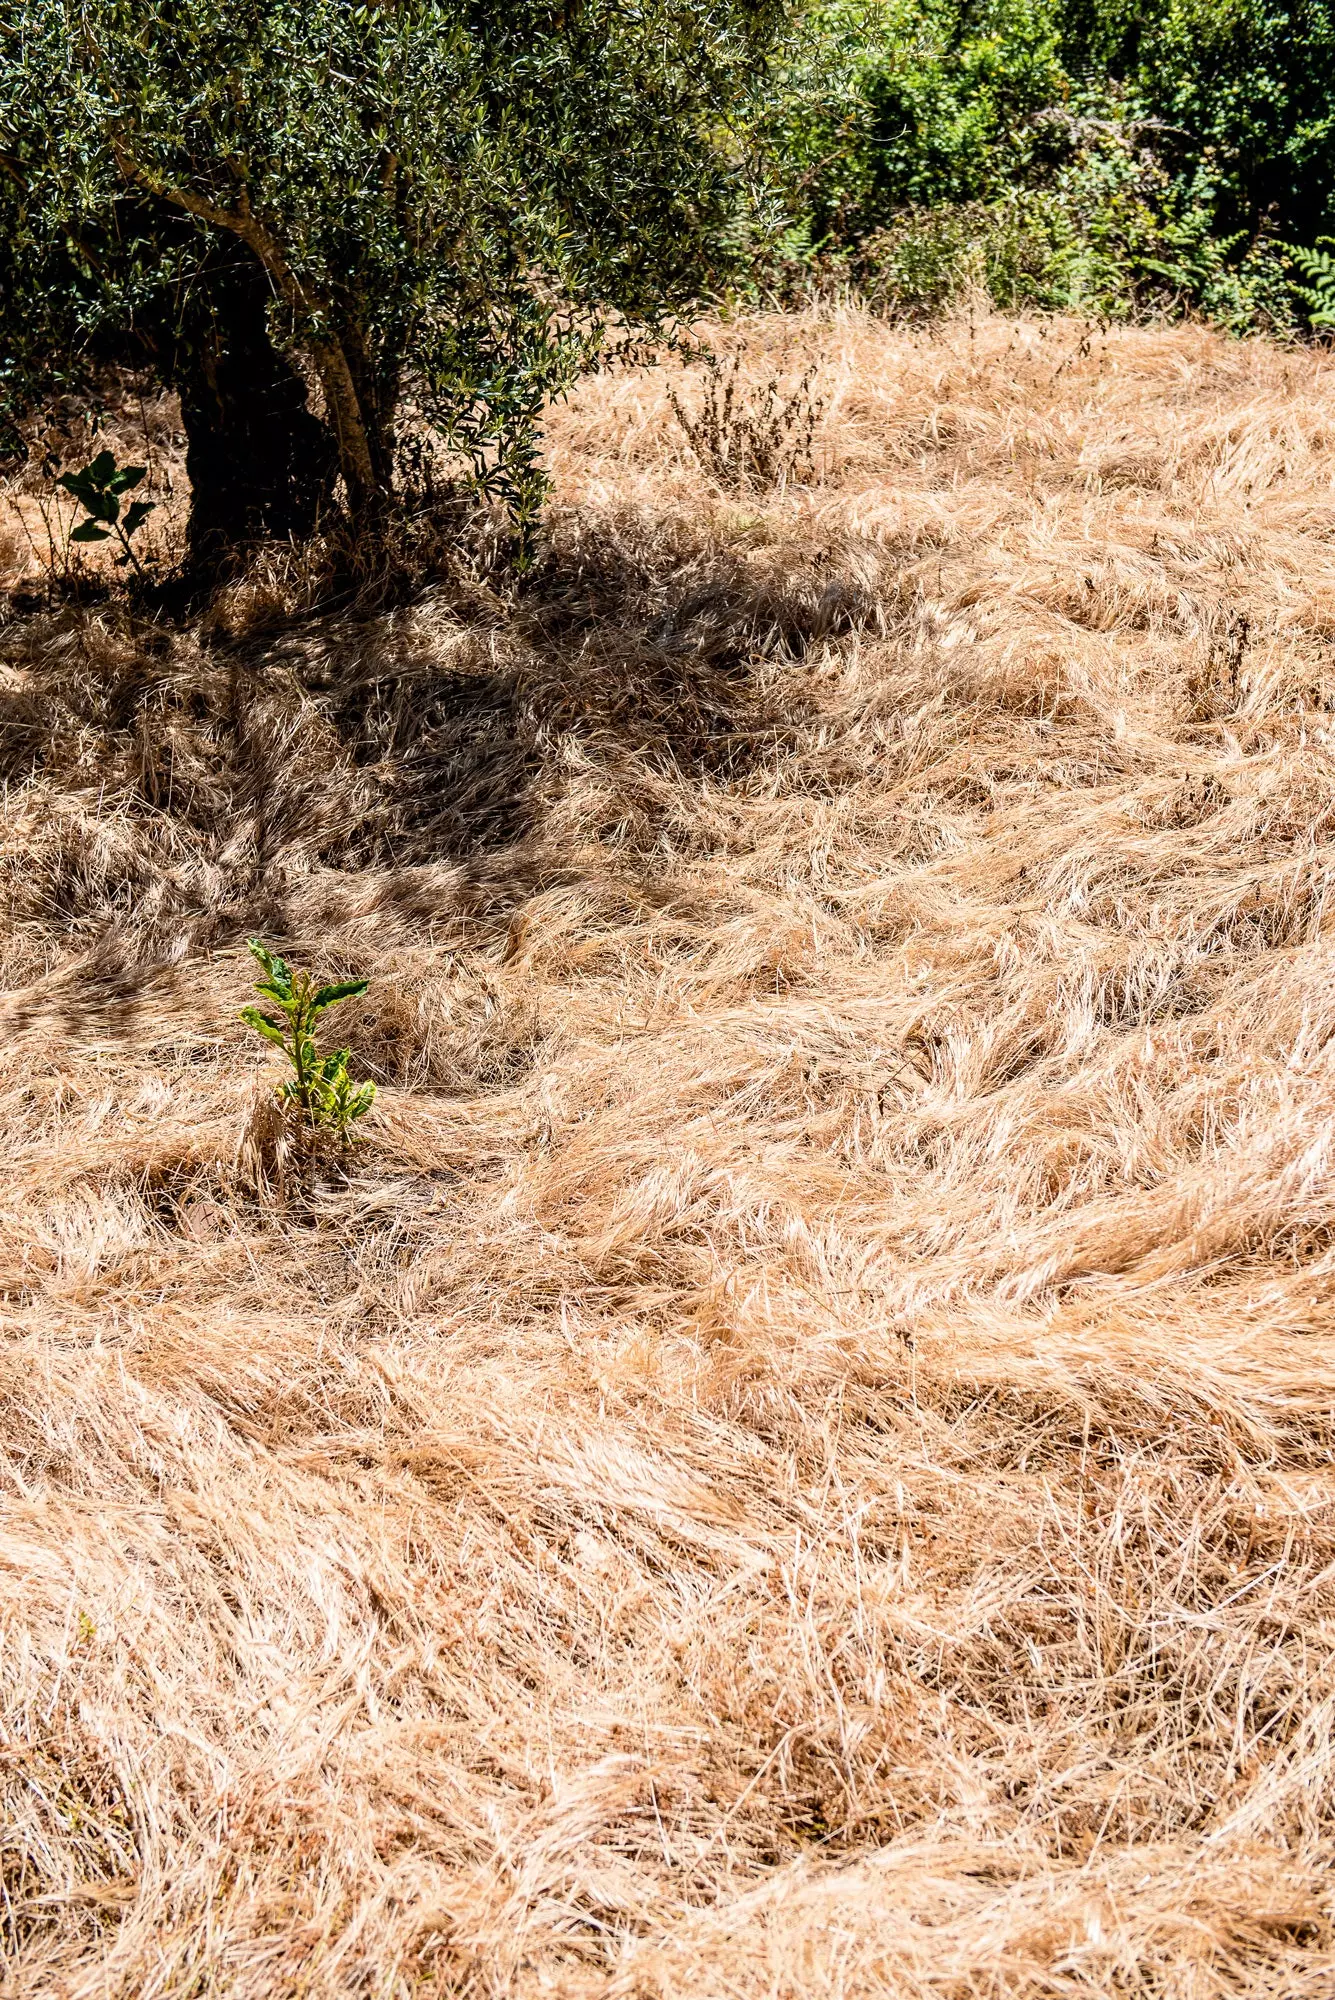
x,y
138,426
799,1459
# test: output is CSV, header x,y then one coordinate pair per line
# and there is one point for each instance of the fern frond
x,y
1318,294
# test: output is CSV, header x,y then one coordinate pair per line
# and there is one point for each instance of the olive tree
x,y
325,221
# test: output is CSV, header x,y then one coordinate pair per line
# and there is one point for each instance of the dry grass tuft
x,y
798,1458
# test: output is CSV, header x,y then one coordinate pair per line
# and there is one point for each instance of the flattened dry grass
x,y
799,1457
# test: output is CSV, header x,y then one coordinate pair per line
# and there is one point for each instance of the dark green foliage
x,y
903,103
1243,92
99,489
1092,153
450,203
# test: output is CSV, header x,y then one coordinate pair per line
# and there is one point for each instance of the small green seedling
x,y
98,489
329,1099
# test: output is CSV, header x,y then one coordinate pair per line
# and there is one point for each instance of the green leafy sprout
x,y
328,1098
98,489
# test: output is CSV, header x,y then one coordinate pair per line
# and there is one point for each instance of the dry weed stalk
x,y
799,1460
754,440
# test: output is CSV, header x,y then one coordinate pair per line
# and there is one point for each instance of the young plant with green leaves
x,y
321,1087
99,489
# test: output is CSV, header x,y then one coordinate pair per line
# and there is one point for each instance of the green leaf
x,y
89,531
263,1024
137,513
99,506
127,476
100,469
277,968
329,996
356,1105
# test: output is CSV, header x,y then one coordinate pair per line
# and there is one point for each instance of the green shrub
x,y
890,104
1243,95
1103,158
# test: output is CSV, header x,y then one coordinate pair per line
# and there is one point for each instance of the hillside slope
x,y
798,1459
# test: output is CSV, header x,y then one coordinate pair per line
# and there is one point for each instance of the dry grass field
x,y
797,1459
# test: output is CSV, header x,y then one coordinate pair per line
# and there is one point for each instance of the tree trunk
x,y
361,401
250,432
261,464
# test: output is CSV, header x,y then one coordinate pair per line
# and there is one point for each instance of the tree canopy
x,y
437,208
